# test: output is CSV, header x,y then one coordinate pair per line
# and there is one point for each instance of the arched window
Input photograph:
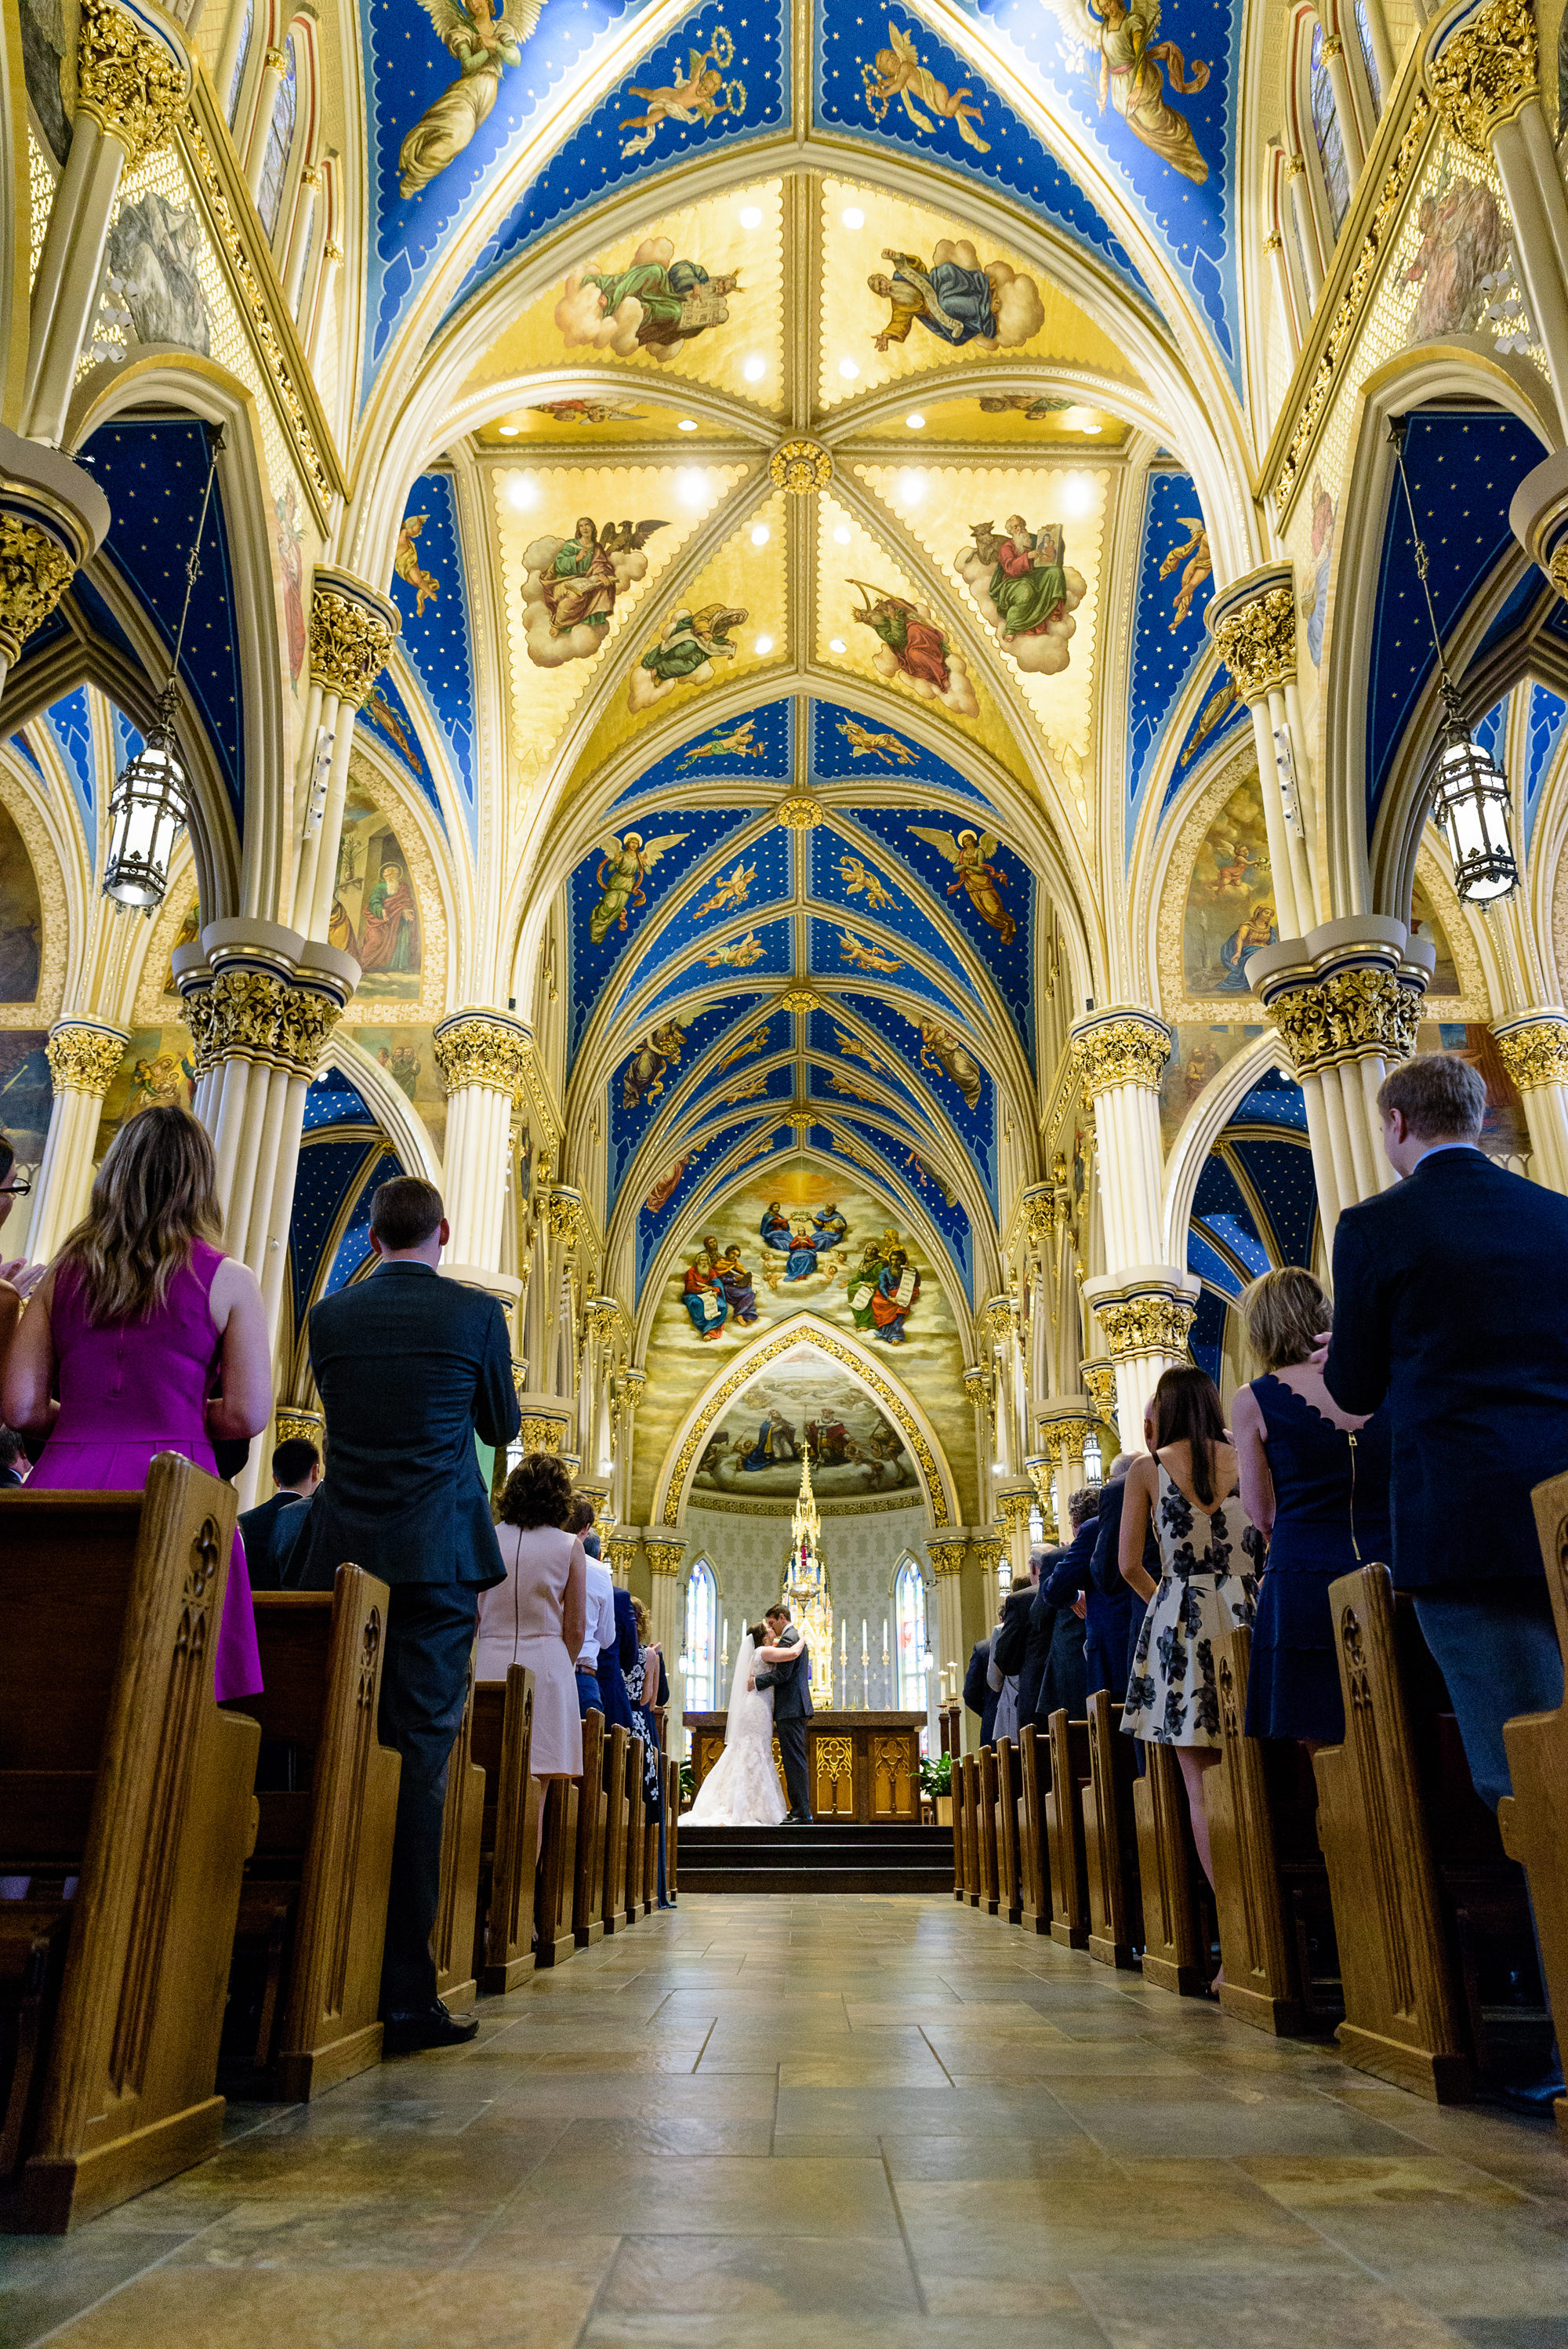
x,y
1369,53
1325,128
243,59
701,1658
908,1613
280,139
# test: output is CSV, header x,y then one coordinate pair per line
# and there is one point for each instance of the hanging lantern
x,y
1470,801
148,804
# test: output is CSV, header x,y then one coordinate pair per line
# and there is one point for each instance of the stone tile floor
x,y
886,2123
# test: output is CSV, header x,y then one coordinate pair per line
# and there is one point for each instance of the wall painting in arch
x,y
1426,924
26,1097
405,1057
803,1402
1229,908
157,1067
1201,1049
374,912
1504,1133
21,917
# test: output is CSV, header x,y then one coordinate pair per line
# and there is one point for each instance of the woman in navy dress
x,y
1315,1479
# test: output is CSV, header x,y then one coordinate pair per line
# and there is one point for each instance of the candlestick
x,y
933,1731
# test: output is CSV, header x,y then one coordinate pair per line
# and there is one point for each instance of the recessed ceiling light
x,y
692,483
509,431
686,424
853,216
750,216
1078,495
841,534
912,488
847,369
915,421
764,644
761,534
835,644
755,369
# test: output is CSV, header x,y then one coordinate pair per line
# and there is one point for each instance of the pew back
x,y
503,1736
1535,1818
1110,1837
1034,1769
1175,1949
1064,1831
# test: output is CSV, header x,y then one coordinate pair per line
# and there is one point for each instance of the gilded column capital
x,y
1350,1015
630,1385
1014,1505
540,1431
1534,1048
620,1556
1002,1319
603,1317
53,518
1041,1465
83,1056
133,77
1484,71
566,1212
977,1386
946,1557
989,1553
483,1047
664,1557
1136,1326
1252,624
1123,1046
350,632
293,1420
252,1013
1039,1205
1099,1385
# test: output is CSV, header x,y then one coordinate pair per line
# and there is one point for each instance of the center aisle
x,y
888,2123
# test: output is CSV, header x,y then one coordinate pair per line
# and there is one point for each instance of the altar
x,y
862,1766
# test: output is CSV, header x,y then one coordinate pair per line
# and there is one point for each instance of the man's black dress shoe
x,y
1536,2096
798,1819
431,2026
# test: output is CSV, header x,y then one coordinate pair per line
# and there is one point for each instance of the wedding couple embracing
x,y
770,1696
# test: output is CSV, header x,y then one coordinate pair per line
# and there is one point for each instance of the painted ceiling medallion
x,y
800,467
801,813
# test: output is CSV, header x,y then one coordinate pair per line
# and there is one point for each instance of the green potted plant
x,y
936,1781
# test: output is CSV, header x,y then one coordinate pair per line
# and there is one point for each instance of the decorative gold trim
x,y
129,81
350,643
946,1557
665,1557
1138,1326
1536,1053
292,1421
1486,74
801,813
1256,641
83,1058
801,466
256,1016
1352,1015
1126,1050
538,1432
35,572
1099,1385
474,1050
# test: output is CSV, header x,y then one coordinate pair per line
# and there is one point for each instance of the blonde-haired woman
x,y
1315,1480
156,1341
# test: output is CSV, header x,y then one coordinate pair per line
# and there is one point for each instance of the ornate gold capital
x,y
1536,1053
1039,1204
350,639
800,467
1145,1325
988,1554
977,1386
131,79
568,1216
1334,45
1099,1385
540,1433
476,1049
946,1557
1352,1015
801,813
1015,1510
665,1557
293,1419
1295,165
602,1316
83,1058
1257,642
1002,1319
1129,1050
259,1016
35,572
1273,242
1486,72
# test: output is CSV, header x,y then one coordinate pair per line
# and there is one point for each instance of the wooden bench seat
x,y
126,1809
1533,1820
508,1835
1070,1774
1034,1858
1110,1837
1170,1878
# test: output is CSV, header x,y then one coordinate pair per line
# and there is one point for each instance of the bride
x,y
742,1789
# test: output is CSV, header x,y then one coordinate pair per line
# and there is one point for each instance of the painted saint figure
x,y
1028,582
406,563
679,299
702,1294
623,866
389,925
918,646
1257,930
951,302
894,1298
643,1078
970,855
484,44
774,1442
941,1048
1198,564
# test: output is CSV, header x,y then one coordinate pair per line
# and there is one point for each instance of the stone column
x,y
1305,223
1347,1000
988,1552
625,1393
1014,1503
83,1055
665,1558
1345,103
269,81
1099,1386
1535,1047
53,518
1065,1431
1252,624
133,82
484,1058
352,626
1002,1324
980,1386
952,1655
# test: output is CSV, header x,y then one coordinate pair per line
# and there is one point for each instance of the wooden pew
x,y
1064,1831
509,1841
972,1868
615,1769
1110,1837
588,1884
462,1832
1257,1943
1033,1865
1534,1820
555,1884
327,1798
989,1897
672,1822
634,1905
1010,1892
116,1768
1175,1944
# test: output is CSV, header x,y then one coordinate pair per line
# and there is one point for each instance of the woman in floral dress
x,y
1211,1555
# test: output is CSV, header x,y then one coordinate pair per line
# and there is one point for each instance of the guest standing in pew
x,y
601,1631
1450,1300
978,1693
580,1521
1314,1480
1064,1683
648,1684
1037,1636
131,1324
1007,1652
539,1615
616,1657
410,1368
1210,1556
296,1472
1112,1620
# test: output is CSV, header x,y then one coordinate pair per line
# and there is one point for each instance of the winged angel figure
x,y
970,855
623,866
1133,66
484,44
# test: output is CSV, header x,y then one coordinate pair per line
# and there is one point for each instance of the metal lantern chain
x,y
148,806
1471,797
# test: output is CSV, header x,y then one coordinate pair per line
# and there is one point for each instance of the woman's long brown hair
x,y
154,1196
1187,1410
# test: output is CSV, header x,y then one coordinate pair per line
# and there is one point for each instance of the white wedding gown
x,y
742,1789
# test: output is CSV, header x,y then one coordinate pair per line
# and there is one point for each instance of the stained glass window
x,y
1325,124
241,61
701,1659
909,1608
280,139
1368,54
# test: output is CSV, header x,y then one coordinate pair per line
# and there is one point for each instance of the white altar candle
x,y
933,1729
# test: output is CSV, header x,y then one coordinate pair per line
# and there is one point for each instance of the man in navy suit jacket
x,y
296,1472
1451,1297
411,1368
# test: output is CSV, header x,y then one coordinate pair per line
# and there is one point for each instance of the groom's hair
x,y
775,1614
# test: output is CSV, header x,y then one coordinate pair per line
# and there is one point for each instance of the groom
x,y
791,1686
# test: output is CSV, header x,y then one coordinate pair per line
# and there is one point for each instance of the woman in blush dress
x,y
539,1615
157,1342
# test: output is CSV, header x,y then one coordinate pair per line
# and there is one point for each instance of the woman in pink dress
x,y
139,1319
539,1615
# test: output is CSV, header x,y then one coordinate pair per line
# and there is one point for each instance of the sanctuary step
x,y
826,1859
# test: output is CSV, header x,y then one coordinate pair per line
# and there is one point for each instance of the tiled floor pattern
x,y
885,2123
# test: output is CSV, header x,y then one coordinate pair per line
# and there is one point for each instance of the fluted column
x,y
1306,226
1064,1433
1535,1047
83,1055
952,1655
484,1058
1347,1000
352,627
625,1393
666,1557
988,1552
1099,1386
1014,1503
53,518
1253,622
133,82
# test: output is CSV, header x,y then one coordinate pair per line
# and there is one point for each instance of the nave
x,y
874,2122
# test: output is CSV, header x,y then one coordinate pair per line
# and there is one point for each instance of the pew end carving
x,y
1175,1945
1064,1831
1110,1837
509,1849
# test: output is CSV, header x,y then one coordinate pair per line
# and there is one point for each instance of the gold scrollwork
x,y
474,1050
1002,1319
1485,75
1351,1015
349,644
1099,1385
665,1557
800,467
292,1421
799,998
602,1316
83,1060
800,812
568,1216
1536,1054
988,1554
1039,1214
132,84
1122,1052
946,1557
1015,1509
35,572
540,1433
255,1015
835,1758
1557,572
1257,642
1145,1325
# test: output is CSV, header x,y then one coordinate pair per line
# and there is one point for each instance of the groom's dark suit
x,y
792,1708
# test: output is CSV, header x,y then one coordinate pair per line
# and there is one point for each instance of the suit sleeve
x,y
1357,1369
975,1679
626,1624
1008,1648
497,1417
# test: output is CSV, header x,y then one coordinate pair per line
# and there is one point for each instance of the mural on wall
x,y
21,918
914,648
1315,602
1026,590
572,583
1463,264
406,1058
26,1097
1425,924
1230,910
959,299
154,251
698,93
895,72
685,651
190,930
586,410
1200,1052
654,305
156,1069
408,565
1504,1133
374,913
1117,45
289,542
803,1404
483,44
793,1236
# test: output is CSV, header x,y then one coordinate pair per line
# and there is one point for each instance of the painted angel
x,y
860,881
484,44
1133,67
898,73
730,891
865,744
1198,564
970,855
406,563
728,742
625,864
738,955
862,956
692,96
